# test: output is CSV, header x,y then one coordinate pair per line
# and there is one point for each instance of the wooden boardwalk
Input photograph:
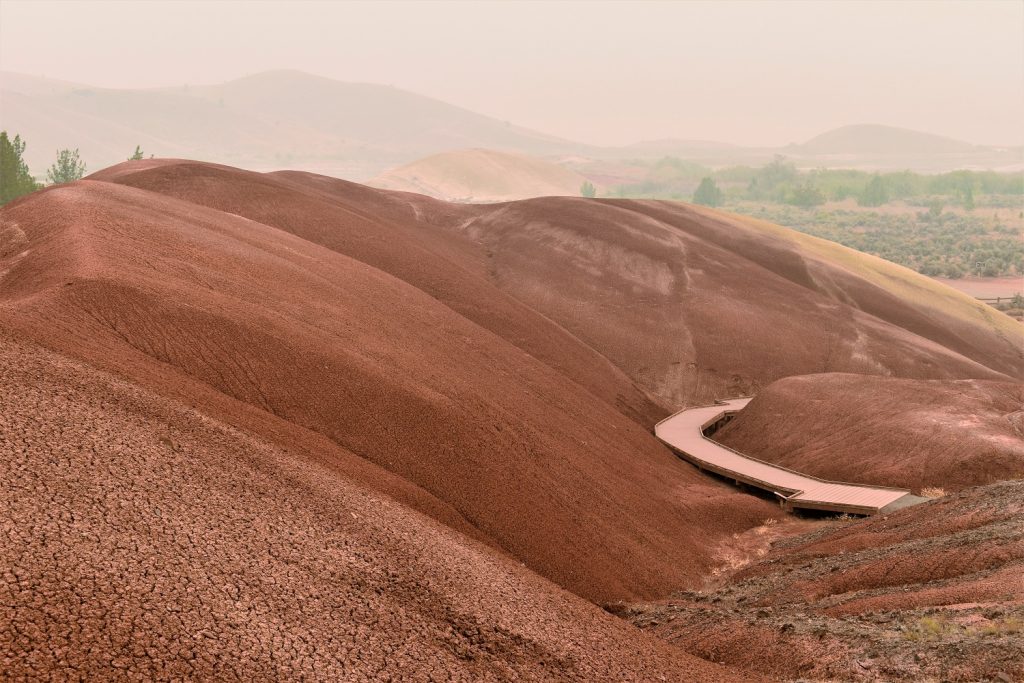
x,y
688,431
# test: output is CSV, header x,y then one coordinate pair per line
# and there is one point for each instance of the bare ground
x,y
930,593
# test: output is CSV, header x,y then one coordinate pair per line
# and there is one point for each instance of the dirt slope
x,y
689,303
697,304
394,233
933,592
258,327
481,175
887,431
143,539
245,404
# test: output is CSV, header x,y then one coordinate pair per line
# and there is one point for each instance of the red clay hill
x,y
303,345
145,540
661,289
946,434
328,429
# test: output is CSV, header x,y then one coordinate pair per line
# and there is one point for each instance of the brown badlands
x,y
280,425
949,435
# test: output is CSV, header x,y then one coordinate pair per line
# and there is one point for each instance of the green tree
x,y
587,189
707,193
137,154
968,198
771,178
806,195
67,168
15,180
875,192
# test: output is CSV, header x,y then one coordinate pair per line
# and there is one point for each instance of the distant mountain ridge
x,y
268,120
292,119
879,139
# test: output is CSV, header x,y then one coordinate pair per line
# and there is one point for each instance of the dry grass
x,y
999,627
933,492
930,628
940,626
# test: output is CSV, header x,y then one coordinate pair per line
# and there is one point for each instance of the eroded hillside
x,y
889,431
934,592
289,414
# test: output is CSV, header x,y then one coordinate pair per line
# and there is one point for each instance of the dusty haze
x,y
610,73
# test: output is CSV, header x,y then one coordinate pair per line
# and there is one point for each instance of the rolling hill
x,y
282,425
482,175
145,539
896,432
336,325
870,140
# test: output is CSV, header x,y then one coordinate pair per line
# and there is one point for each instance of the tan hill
x,y
25,84
931,592
897,432
869,139
482,175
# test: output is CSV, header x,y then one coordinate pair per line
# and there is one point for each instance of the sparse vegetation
x,y
930,628
68,167
938,626
933,492
15,179
949,245
934,241
1013,307
1002,626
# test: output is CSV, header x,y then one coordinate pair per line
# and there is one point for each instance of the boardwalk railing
x,y
688,434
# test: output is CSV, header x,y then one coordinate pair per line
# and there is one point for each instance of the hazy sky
x,y
606,73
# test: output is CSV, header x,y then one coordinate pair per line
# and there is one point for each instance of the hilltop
x,y
871,139
481,175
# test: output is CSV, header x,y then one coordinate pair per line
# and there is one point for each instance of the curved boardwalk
x,y
687,433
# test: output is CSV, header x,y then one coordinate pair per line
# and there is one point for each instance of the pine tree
x,y
587,189
15,179
137,154
707,193
67,168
